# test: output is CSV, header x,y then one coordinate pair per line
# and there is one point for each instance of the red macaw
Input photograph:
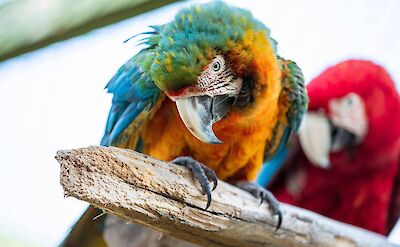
x,y
348,165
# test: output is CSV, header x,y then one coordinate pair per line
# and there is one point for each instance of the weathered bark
x,y
165,197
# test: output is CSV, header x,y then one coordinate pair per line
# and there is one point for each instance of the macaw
x,y
208,92
347,164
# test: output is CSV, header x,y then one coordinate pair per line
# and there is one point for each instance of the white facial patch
x,y
349,113
218,79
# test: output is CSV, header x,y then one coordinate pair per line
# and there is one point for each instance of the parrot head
x,y
204,62
353,118
209,99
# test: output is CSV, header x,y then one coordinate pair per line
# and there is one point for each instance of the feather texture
x,y
293,103
135,95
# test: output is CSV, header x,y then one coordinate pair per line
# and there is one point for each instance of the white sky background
x,y
53,98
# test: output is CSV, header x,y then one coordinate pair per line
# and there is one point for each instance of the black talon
x,y
202,173
261,196
211,176
279,213
265,195
208,199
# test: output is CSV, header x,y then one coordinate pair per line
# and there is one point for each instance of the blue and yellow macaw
x,y
208,92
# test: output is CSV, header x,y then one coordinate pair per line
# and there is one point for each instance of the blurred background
x,y
52,98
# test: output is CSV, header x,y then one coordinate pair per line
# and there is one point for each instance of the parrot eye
x,y
352,100
218,64
349,101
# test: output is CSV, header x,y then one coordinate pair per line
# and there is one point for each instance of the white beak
x,y
315,139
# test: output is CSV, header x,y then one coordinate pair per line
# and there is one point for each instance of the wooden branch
x,y
141,189
28,25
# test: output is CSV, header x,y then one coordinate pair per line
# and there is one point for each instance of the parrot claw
x,y
264,195
202,173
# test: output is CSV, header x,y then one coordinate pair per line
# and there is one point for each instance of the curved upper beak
x,y
319,137
199,113
315,139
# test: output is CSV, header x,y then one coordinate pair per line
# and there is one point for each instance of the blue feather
x,y
129,114
133,91
272,166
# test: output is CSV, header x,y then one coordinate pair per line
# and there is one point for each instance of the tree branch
x,y
165,197
29,25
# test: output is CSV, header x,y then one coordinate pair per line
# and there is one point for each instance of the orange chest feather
x,y
166,137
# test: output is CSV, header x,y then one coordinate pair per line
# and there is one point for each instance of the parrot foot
x,y
202,173
265,195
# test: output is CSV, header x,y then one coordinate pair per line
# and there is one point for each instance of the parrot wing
x,y
135,99
293,103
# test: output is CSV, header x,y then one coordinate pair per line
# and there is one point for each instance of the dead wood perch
x,y
144,190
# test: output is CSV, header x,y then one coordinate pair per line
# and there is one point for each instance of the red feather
x,y
358,188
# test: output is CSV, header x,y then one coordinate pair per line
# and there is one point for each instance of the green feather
x,y
294,87
191,40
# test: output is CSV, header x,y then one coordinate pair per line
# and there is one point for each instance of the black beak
x,y
341,138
